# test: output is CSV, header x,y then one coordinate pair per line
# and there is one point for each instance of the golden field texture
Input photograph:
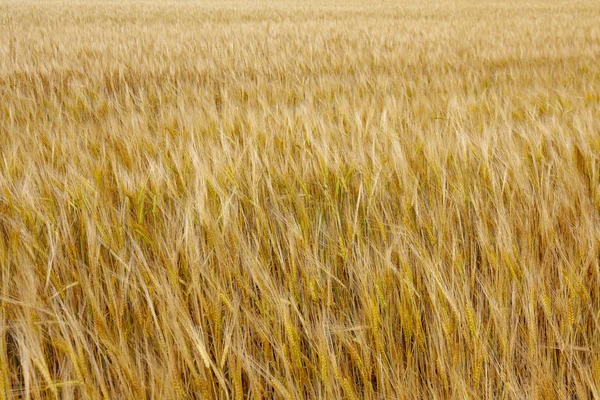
x,y
300,200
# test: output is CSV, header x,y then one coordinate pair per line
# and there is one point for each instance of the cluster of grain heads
x,y
378,201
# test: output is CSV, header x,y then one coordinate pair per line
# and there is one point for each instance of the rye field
x,y
299,199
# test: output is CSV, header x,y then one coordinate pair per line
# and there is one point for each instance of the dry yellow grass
x,y
298,200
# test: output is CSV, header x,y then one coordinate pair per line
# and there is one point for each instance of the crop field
x,y
299,199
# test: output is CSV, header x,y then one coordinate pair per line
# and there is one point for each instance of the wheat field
x,y
299,199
